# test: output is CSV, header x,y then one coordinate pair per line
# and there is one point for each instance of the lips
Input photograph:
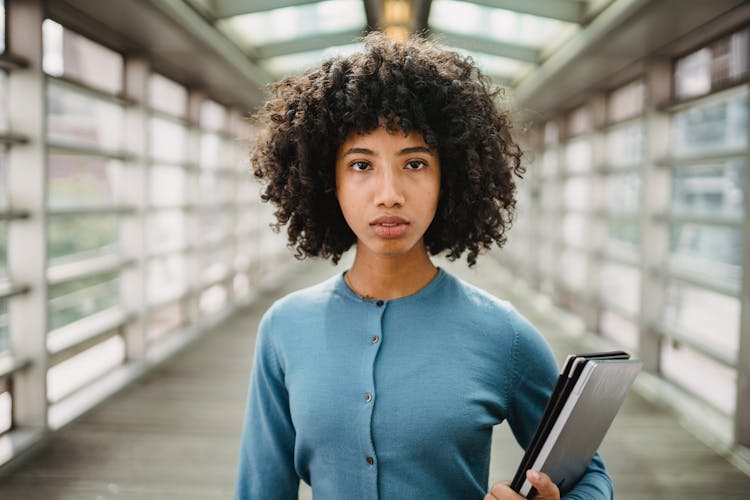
x,y
389,226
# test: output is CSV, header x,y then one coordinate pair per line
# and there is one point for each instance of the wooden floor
x,y
175,433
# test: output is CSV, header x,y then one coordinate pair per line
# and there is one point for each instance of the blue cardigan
x,y
393,399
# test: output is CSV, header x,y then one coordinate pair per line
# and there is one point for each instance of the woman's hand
x,y
546,489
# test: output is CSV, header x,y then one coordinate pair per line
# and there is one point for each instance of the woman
x,y
385,381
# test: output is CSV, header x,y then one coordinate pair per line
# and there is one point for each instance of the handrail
x,y
74,338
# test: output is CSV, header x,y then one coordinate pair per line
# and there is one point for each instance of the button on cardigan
x,y
392,399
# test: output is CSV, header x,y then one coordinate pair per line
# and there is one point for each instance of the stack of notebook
x,y
586,398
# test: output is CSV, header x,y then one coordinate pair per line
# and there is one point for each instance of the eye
x,y
360,166
415,165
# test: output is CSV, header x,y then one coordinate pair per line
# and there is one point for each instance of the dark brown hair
x,y
414,86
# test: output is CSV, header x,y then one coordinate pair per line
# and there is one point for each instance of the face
x,y
387,185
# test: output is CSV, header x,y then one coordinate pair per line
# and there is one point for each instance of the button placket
x,y
374,340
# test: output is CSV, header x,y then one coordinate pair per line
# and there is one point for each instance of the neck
x,y
387,278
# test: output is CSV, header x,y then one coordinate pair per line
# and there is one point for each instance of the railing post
x,y
742,412
194,217
27,242
596,225
654,235
133,228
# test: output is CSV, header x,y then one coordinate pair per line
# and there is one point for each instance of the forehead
x,y
382,139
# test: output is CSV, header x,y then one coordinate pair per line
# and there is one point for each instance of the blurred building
x,y
130,220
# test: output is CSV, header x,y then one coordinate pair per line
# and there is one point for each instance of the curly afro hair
x,y
414,86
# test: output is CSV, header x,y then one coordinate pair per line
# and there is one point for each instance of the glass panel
x,y
79,236
216,188
579,121
242,159
167,186
165,320
3,102
711,127
578,155
621,286
166,277
248,189
573,269
713,190
577,193
723,62
214,152
619,329
549,195
213,300
549,163
546,257
627,101
4,326
294,22
241,285
623,238
623,192
551,133
709,317
215,225
167,96
625,145
213,116
77,180
77,299
69,54
700,375
215,262
574,229
497,24
168,141
707,251
6,412
3,249
246,222
72,374
81,119
729,58
166,230
693,74
246,252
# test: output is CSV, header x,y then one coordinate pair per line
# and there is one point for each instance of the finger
x,y
544,486
503,491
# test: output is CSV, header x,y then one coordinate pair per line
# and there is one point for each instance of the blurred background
x,y
130,224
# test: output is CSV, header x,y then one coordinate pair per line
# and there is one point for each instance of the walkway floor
x,y
174,434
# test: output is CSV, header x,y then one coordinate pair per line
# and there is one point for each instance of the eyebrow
x,y
405,151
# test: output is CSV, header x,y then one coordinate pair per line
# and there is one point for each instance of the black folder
x,y
588,393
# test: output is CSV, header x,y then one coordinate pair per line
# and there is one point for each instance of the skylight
x,y
299,62
288,23
494,24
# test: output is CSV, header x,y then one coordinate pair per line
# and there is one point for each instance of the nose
x,y
390,189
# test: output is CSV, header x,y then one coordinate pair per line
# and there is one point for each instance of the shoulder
x,y
478,304
303,311
306,298
497,317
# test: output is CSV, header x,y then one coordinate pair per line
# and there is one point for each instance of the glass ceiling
x,y
287,23
507,38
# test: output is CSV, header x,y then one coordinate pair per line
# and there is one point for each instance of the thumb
x,y
545,488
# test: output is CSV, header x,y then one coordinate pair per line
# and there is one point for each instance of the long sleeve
x,y
266,462
534,376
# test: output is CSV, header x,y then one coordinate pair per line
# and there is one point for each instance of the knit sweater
x,y
394,399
